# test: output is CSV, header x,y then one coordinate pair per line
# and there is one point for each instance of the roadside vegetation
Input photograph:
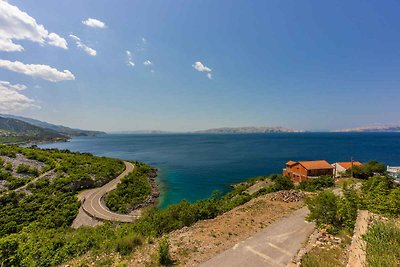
x,y
132,191
50,203
35,225
50,241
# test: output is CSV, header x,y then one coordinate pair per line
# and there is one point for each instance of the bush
x,y
8,166
126,245
317,183
164,257
368,169
282,183
327,209
381,196
24,168
132,190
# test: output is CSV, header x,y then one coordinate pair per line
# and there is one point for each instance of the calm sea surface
x,y
191,166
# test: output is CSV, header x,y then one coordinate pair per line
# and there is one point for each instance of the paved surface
x,y
94,205
275,246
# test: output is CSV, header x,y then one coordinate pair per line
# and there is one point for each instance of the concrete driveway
x,y
275,246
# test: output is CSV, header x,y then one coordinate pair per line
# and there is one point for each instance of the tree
x,y
368,169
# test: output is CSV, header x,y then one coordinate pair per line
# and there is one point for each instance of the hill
x,y
57,128
248,130
15,131
372,128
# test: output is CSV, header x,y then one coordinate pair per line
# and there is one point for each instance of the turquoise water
x,y
191,166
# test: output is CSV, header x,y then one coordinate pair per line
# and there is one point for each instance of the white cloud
x,y
88,50
129,61
18,25
202,68
56,40
94,23
148,63
11,100
36,70
144,40
18,87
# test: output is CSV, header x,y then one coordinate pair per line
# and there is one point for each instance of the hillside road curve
x,y
94,205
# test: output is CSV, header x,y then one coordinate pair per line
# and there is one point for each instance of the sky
x,y
184,65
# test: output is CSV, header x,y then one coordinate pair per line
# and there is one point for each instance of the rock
x,y
288,196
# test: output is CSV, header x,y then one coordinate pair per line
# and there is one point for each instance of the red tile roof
x,y
347,165
316,164
291,163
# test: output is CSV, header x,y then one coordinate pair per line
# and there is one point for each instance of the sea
x,y
192,166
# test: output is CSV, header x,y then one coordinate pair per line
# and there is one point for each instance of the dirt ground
x,y
191,245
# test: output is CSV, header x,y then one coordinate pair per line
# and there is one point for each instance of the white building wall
x,y
338,169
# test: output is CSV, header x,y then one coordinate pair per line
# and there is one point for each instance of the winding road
x,y
94,205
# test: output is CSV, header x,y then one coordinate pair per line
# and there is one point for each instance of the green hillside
x,y
16,131
57,128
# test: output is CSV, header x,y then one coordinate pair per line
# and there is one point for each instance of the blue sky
x,y
313,65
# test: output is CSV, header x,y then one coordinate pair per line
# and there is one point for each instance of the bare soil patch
x,y
190,246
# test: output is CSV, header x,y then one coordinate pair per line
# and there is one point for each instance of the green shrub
x,y
164,257
282,183
368,169
323,208
127,244
24,168
132,189
8,166
317,183
327,209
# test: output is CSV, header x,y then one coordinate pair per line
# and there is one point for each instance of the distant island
x,y
371,128
248,130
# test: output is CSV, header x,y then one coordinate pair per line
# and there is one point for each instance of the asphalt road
x,y
275,246
94,206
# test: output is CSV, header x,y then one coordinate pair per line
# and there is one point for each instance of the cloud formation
x,y
202,68
18,25
94,23
36,70
148,63
88,50
129,61
11,100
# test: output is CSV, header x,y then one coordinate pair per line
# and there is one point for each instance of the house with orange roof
x,y
339,168
299,171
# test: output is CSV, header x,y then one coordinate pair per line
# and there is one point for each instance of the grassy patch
x,y
331,256
383,244
340,182
320,257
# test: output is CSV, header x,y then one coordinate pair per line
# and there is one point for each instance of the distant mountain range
x,y
16,129
57,128
247,130
372,128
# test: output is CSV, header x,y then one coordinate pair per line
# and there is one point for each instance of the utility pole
x,y
351,167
